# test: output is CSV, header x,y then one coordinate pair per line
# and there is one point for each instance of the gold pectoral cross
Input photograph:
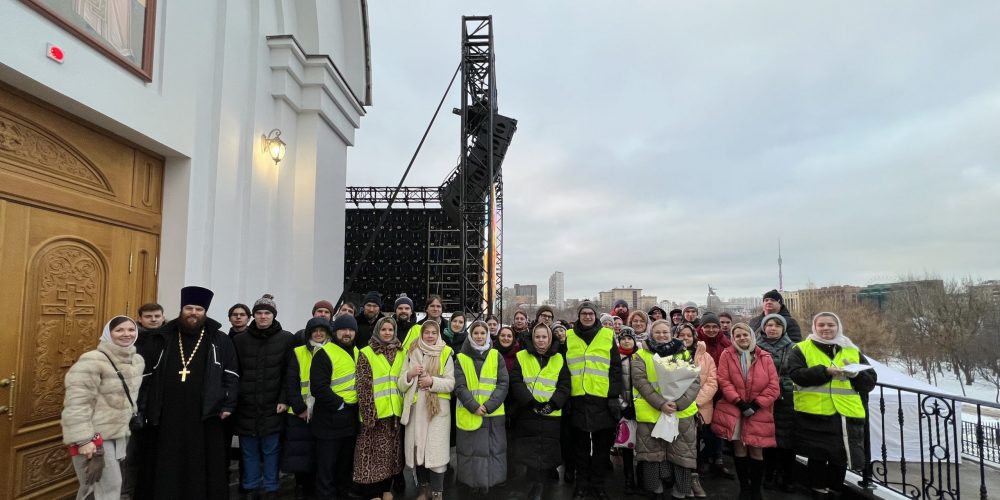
x,y
184,373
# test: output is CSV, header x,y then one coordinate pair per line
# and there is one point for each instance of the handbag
x,y
625,438
138,421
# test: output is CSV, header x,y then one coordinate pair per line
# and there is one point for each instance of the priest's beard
x,y
191,323
346,342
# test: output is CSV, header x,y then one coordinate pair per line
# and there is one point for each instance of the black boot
x,y
743,476
756,468
630,487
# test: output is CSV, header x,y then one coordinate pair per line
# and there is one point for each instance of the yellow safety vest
x,y
836,396
411,336
481,386
645,412
589,365
342,380
445,356
541,381
385,383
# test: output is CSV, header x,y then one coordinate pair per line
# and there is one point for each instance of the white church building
x,y
137,155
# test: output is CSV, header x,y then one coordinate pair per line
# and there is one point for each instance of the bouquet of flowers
x,y
674,376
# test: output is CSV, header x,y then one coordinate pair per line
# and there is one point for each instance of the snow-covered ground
x,y
948,384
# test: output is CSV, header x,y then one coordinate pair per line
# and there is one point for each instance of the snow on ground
x,y
948,384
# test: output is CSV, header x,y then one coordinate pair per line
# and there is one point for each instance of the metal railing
x,y
954,454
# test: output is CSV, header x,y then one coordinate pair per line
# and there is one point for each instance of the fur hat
x,y
266,303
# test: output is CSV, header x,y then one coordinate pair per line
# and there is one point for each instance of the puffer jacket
x,y
760,386
648,448
263,359
95,399
709,385
791,326
784,408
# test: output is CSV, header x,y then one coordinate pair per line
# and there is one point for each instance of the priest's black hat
x,y
196,296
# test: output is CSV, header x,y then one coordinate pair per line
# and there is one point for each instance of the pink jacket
x,y
761,386
709,385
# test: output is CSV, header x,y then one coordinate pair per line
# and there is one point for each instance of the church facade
x,y
137,156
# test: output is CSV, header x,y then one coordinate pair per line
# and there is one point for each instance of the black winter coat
x,y
365,329
792,328
592,413
822,436
332,418
222,380
784,409
536,437
264,357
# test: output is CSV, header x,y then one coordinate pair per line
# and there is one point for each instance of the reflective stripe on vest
x,y
541,381
445,356
645,412
836,396
589,365
481,386
385,388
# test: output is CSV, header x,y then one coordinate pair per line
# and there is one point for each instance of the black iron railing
x,y
955,453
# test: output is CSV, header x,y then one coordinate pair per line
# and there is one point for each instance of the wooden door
x,y
79,241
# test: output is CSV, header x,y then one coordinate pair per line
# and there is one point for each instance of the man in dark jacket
x,y
335,419
403,316
263,351
690,313
371,311
774,303
595,412
189,387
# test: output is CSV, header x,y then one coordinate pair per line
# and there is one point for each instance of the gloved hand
x,y
94,467
615,408
754,406
747,409
545,409
540,404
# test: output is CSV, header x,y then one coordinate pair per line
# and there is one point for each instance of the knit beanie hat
x,y
775,295
322,303
548,309
373,297
403,299
690,305
607,317
266,303
673,312
585,305
345,321
708,318
627,331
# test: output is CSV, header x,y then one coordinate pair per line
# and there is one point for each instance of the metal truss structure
x,y
462,235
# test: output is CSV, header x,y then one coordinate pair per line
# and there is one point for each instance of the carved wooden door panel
x,y
63,277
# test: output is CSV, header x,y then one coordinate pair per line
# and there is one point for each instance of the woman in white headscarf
x,y
480,389
101,388
830,403
426,381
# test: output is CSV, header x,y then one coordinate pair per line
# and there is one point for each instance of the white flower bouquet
x,y
674,376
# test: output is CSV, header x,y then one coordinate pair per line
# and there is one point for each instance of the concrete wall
x,y
232,220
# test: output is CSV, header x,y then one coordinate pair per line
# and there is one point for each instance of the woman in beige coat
x,y
97,409
426,381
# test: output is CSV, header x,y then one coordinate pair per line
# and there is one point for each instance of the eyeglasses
x,y
546,315
588,314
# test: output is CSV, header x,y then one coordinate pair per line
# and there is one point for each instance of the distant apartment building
x,y
526,294
630,295
646,302
990,288
557,289
880,295
796,301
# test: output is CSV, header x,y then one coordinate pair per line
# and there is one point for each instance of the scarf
x,y
664,349
746,355
106,333
481,348
315,346
840,340
626,352
428,356
387,349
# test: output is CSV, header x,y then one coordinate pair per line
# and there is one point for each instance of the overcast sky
x,y
668,145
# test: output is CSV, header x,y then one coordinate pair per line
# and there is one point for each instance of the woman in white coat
x,y
426,381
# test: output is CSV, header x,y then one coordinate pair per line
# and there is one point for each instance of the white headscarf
x,y
106,334
489,340
840,340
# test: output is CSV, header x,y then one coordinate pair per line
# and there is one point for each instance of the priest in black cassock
x,y
189,388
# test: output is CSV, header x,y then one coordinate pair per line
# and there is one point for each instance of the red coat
x,y
761,386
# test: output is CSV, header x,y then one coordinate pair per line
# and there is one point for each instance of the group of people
x,y
357,395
